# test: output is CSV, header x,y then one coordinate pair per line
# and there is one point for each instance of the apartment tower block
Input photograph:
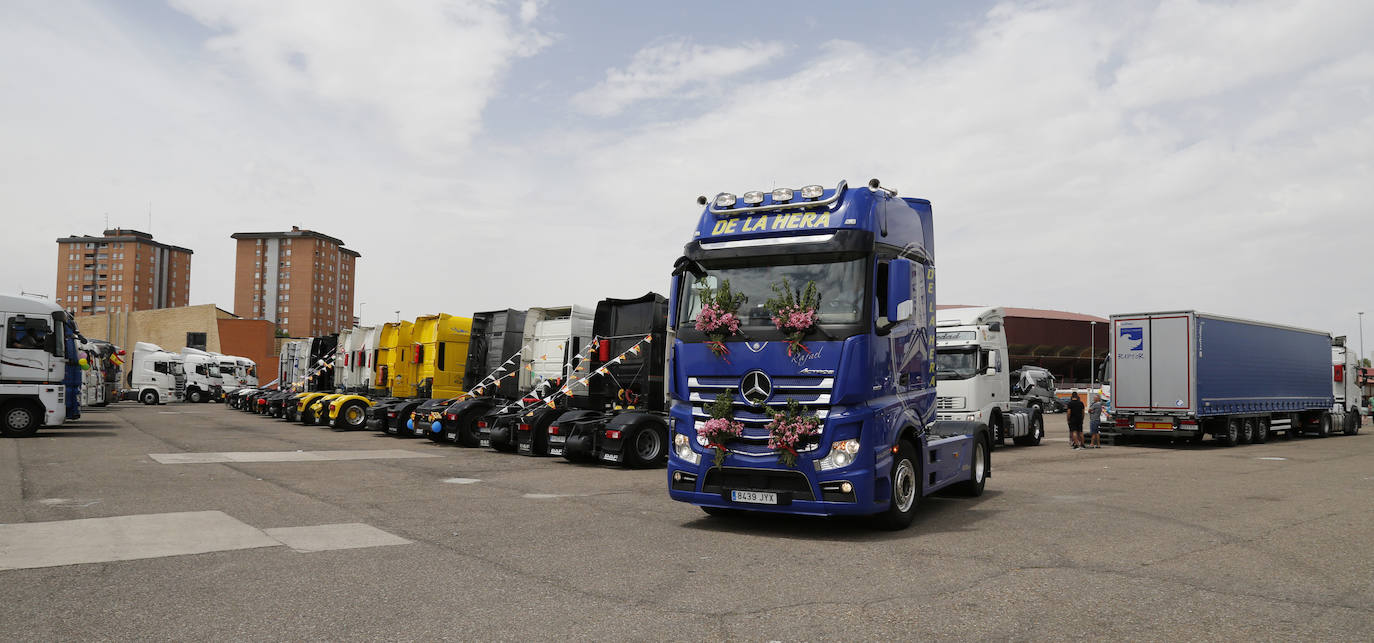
x,y
121,271
301,280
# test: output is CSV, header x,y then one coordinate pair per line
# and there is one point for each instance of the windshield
x,y
214,370
839,284
956,364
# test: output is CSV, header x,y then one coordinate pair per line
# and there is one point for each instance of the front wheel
x,y
21,420
906,489
195,396
148,397
978,474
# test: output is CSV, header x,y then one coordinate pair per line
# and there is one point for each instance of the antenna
x,y
150,217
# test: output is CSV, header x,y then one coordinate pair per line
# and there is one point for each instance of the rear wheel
x,y
906,489
1230,433
648,446
21,419
1352,422
1324,425
1247,430
353,417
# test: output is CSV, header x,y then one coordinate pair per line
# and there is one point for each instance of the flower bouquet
x,y
794,312
788,429
719,317
722,427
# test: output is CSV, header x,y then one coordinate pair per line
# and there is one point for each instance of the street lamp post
x,y
1360,362
360,312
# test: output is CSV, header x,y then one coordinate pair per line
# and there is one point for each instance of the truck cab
x,y
558,339
1345,369
972,382
203,378
837,418
157,375
492,377
33,361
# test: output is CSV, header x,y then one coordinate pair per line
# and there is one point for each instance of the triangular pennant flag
x,y
649,338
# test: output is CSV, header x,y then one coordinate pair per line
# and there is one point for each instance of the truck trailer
x,y
803,368
1187,374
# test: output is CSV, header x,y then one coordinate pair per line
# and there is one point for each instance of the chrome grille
x,y
812,393
948,403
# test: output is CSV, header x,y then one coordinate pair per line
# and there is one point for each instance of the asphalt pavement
x,y
245,527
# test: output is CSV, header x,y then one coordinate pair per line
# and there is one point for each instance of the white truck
x,y
203,379
352,364
236,372
971,379
159,376
33,361
1345,371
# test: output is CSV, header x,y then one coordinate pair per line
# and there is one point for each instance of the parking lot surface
x,y
194,522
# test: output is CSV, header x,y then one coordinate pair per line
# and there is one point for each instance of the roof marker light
x,y
782,195
725,200
812,192
753,197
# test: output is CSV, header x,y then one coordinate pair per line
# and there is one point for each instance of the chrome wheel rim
x,y
18,419
904,486
979,463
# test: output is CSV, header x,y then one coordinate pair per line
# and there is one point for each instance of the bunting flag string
x,y
494,378
567,390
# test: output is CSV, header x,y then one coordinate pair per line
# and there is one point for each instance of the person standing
x,y
1075,410
1095,420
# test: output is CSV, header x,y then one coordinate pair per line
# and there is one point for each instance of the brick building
x,y
301,280
121,271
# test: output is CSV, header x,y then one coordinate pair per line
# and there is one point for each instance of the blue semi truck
x,y
1186,374
802,372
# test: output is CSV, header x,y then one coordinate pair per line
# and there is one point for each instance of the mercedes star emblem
x,y
756,388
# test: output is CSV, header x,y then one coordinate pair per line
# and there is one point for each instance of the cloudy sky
x,y
1084,156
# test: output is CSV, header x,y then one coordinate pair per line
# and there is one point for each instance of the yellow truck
x,y
441,351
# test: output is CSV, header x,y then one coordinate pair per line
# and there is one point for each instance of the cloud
x,y
673,68
424,68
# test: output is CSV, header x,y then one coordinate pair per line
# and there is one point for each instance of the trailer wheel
x,y
906,489
1261,431
1324,425
648,446
978,474
21,419
1247,430
148,397
1229,434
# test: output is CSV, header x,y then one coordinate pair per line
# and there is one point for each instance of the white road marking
x,y
102,540
68,502
352,535
285,456
462,480
1271,458
99,540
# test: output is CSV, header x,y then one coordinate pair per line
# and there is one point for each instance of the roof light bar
x,y
723,203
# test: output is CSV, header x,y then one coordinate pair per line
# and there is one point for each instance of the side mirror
x,y
50,343
899,306
673,291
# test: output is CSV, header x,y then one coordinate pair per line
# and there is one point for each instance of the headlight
x,y
782,195
753,197
842,454
725,200
683,445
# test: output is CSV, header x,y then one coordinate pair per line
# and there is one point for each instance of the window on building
x,y
195,340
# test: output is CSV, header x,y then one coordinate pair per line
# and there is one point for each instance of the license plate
x,y
524,448
451,436
555,451
611,457
754,497
556,439
484,442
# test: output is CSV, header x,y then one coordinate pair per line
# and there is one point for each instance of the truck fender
x,y
978,430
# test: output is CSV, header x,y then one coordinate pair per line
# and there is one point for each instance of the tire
x,y
1352,422
353,416
978,470
1037,431
1324,425
195,396
1247,430
647,446
905,491
20,419
1261,432
1230,434
148,397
